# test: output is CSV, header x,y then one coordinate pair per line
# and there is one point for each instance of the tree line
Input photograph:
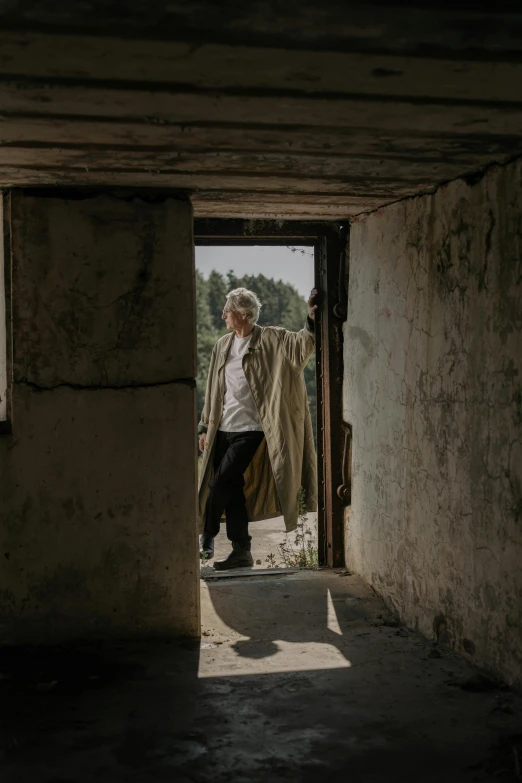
x,y
282,306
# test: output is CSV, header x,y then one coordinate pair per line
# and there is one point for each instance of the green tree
x,y
207,335
217,293
281,304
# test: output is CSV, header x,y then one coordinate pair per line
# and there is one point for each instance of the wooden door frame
x,y
329,241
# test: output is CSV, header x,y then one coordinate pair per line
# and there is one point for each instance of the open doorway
x,y
282,276
302,254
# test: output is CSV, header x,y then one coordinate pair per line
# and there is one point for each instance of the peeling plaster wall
x,y
433,389
97,498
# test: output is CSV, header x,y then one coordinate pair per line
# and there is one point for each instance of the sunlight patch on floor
x,y
332,623
244,656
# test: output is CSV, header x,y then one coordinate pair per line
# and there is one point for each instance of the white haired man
x,y
255,430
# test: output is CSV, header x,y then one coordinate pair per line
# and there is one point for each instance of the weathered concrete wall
x,y
3,330
98,482
433,388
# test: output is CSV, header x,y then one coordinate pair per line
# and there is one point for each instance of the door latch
x,y
344,492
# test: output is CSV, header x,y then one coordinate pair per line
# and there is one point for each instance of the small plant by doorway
x,y
299,549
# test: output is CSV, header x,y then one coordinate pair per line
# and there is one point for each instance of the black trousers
x,y
233,454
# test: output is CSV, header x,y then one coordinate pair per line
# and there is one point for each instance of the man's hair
x,y
244,301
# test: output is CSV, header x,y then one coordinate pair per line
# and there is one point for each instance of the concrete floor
x,y
303,677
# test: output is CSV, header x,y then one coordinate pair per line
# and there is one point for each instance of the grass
x,y
300,548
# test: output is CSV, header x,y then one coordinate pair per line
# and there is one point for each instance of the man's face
x,y
233,319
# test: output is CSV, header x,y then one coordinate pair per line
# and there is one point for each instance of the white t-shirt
x,y
239,409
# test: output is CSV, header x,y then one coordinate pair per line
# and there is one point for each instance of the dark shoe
x,y
206,546
240,557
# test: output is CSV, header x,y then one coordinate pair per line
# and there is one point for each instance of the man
x,y
255,430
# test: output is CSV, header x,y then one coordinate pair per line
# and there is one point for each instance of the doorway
x,y
327,242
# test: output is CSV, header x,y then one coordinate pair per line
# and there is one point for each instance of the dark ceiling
x,y
303,110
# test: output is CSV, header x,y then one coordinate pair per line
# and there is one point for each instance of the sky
x,y
296,268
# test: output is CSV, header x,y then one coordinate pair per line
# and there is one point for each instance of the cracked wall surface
x,y
89,285
97,498
433,389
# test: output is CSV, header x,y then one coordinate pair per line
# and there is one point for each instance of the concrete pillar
x,y
97,495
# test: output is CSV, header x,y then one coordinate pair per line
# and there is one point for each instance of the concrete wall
x,y
3,330
97,498
433,388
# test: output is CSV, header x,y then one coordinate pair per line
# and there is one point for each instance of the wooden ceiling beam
x,y
140,63
320,172
84,132
45,100
440,29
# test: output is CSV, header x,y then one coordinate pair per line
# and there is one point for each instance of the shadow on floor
x,y
95,711
325,684
296,679
267,612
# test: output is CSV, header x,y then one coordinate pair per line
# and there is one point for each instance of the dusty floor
x,y
301,677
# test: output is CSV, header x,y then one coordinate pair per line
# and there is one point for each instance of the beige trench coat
x,y
285,461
